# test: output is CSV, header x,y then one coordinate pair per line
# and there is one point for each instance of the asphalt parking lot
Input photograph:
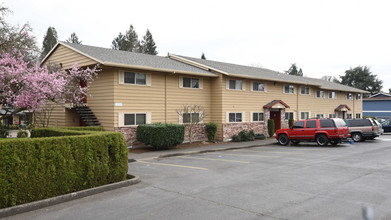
x,y
269,182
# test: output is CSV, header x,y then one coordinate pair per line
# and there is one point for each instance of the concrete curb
x,y
130,160
67,197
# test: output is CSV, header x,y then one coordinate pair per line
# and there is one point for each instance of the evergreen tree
x,y
361,77
203,56
127,42
49,41
148,45
293,70
73,39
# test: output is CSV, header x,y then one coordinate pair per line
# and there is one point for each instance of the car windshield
x,y
339,122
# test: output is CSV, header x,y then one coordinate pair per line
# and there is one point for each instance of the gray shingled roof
x,y
111,56
255,72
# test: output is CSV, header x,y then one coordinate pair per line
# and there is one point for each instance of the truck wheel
x,y
357,137
322,140
283,139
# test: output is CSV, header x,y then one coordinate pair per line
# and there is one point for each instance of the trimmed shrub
x,y
13,127
290,122
22,134
244,136
270,127
211,131
3,132
38,168
55,132
161,136
85,128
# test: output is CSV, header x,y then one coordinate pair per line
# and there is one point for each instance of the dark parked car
x,y
363,128
323,131
386,124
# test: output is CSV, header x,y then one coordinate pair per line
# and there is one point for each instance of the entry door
x,y
276,116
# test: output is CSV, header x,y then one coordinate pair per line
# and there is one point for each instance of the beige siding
x,y
68,58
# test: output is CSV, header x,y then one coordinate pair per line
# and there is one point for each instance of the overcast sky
x,y
321,37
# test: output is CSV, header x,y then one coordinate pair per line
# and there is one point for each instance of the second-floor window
x,y
358,96
235,84
319,94
191,83
135,78
349,96
331,95
290,89
304,90
258,86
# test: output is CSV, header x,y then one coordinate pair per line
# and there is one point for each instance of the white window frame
x,y
359,115
358,95
306,87
121,118
243,84
200,82
200,114
121,78
252,86
293,113
320,93
309,115
294,89
332,92
349,96
252,116
351,116
319,115
227,117
332,114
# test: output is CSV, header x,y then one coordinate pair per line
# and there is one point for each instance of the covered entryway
x,y
341,111
276,110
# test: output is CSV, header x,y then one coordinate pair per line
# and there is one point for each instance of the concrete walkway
x,y
196,150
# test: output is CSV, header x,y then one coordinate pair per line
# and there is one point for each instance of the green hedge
x,y
270,127
160,135
38,168
244,136
211,131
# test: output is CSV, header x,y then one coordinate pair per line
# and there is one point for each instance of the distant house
x,y
135,88
378,106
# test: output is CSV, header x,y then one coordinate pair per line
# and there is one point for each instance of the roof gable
x,y
274,103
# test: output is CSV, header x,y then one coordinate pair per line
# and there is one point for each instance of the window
x,y
319,94
326,123
348,116
311,124
235,84
191,117
290,89
257,116
134,119
358,115
304,115
318,116
235,117
258,86
331,95
358,96
289,115
135,78
331,115
304,90
349,96
191,83
299,124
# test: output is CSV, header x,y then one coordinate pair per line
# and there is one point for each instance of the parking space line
x,y
200,158
274,152
247,155
173,165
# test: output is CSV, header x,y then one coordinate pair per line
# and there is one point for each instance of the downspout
x,y
165,98
297,106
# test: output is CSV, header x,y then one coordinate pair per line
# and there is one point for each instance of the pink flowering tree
x,y
28,86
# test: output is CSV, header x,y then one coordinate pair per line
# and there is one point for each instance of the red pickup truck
x,y
323,131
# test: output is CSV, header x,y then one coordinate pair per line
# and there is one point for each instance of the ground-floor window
x,y
135,119
358,115
319,116
304,115
348,116
289,115
191,117
235,117
331,115
257,116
